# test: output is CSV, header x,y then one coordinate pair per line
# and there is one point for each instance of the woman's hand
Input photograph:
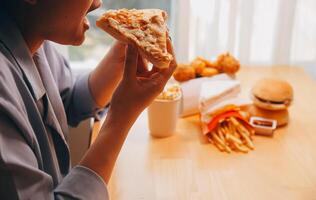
x,y
106,77
139,87
134,93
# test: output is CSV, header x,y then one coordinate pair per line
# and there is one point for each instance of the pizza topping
x,y
138,33
145,27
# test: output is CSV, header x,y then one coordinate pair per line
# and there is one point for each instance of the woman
x,y
38,97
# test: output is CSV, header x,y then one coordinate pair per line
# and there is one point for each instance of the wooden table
x,y
186,167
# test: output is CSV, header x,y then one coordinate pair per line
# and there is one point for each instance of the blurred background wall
x,y
257,32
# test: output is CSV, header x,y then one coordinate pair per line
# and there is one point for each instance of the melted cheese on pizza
x,y
146,27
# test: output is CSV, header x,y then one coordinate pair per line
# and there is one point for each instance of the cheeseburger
x,y
272,94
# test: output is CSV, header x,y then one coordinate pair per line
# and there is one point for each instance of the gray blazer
x,y
38,99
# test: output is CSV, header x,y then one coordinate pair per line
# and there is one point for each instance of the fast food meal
x,y
207,72
263,126
281,116
208,63
215,93
272,94
184,73
202,67
227,127
271,98
227,63
198,65
163,112
170,92
146,29
229,130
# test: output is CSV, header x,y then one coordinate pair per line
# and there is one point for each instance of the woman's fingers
x,y
155,69
131,60
166,73
118,50
170,49
136,67
142,69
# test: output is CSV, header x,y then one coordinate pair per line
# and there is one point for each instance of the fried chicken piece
x,y
208,63
227,63
199,65
207,72
184,73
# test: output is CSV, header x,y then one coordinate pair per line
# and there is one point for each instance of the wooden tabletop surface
x,y
186,167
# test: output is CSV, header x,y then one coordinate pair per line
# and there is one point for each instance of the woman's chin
x,y
74,38
77,40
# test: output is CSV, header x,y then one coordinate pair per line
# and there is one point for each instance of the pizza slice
x,y
146,29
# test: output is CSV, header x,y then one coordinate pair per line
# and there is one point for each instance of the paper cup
x,y
162,117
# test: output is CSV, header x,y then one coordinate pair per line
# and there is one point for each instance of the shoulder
x,y
5,58
9,77
12,106
7,68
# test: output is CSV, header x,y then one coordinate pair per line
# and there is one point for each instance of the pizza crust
x,y
146,29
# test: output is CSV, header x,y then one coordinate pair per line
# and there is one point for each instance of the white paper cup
x,y
162,117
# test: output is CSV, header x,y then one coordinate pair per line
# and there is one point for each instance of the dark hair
x,y
10,5
5,4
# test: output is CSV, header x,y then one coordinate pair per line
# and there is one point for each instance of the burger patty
x,y
272,102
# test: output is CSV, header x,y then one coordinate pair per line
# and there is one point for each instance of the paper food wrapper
x,y
191,91
207,113
214,92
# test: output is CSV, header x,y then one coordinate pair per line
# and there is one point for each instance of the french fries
x,y
230,135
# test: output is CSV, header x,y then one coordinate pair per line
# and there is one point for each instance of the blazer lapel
x,y
56,117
